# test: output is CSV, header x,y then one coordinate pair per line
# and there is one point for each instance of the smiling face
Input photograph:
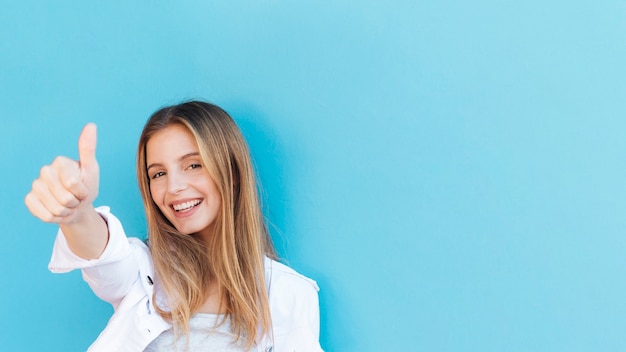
x,y
180,184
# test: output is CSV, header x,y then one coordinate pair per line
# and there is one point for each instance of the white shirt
x,y
207,333
123,276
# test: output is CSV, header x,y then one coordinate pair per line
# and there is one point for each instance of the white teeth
x,y
187,205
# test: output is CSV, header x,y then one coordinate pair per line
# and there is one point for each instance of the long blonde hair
x,y
233,257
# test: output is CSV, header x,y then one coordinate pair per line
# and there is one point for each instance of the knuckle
x,y
45,171
58,211
37,186
59,160
71,181
28,200
67,200
46,217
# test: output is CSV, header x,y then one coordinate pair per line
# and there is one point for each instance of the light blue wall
x,y
451,172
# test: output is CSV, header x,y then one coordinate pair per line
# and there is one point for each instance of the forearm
x,y
88,235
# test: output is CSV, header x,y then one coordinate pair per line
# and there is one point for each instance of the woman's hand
x,y
66,189
64,194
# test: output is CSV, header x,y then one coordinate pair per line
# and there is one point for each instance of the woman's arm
x,y
294,304
115,271
64,194
89,239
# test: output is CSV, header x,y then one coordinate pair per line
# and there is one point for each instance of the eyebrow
x,y
182,158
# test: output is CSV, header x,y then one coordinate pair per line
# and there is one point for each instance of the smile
x,y
186,206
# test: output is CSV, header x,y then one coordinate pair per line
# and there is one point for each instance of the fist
x,y
66,188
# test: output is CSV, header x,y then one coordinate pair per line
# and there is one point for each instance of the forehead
x,y
171,142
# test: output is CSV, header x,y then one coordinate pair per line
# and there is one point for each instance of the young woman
x,y
208,279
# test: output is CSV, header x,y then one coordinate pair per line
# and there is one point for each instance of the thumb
x,y
89,169
87,148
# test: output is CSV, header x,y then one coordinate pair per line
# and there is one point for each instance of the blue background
x,y
452,173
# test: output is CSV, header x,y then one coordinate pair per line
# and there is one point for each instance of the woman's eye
x,y
158,174
195,166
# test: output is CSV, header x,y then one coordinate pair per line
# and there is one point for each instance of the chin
x,y
192,230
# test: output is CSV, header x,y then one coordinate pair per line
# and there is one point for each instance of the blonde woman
x,y
208,279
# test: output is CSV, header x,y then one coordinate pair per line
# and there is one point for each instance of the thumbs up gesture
x,y
66,189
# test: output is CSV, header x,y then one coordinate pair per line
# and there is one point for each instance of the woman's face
x,y
179,182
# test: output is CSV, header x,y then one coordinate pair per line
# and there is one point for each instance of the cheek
x,y
156,194
214,194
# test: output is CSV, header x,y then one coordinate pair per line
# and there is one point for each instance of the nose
x,y
176,183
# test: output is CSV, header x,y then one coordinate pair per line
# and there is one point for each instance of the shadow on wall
x,y
268,158
273,169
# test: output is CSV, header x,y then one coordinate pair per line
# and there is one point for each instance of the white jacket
x,y
123,276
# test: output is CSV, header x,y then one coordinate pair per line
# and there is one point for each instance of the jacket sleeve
x,y
113,273
295,311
